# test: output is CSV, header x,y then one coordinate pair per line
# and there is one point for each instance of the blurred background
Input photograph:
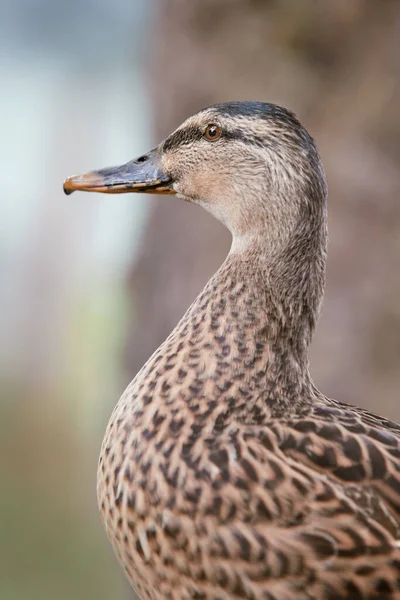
x,y
91,284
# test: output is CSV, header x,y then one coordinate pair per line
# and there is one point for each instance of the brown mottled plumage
x,y
224,472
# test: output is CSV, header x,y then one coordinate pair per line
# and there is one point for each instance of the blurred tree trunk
x,y
336,64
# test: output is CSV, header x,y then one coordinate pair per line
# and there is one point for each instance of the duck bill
x,y
144,175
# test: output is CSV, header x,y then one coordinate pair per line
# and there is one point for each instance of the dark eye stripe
x,y
182,137
245,137
193,133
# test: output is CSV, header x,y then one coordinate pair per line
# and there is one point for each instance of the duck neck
x,y
263,310
241,349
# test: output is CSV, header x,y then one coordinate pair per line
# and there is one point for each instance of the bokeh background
x,y
91,284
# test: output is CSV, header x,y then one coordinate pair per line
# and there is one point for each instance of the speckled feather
x,y
224,473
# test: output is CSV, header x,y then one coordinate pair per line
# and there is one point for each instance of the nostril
x,y
142,158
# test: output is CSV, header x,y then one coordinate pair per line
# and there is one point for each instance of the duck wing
x,y
301,508
306,508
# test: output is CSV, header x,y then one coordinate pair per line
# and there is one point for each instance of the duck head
x,y
251,164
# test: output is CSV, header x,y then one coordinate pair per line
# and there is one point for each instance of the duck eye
x,y
212,132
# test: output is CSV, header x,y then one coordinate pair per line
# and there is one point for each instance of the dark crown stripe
x,y
255,110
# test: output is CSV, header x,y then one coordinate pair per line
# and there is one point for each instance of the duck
x,y
224,472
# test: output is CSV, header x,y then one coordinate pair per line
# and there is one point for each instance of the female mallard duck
x,y
224,472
